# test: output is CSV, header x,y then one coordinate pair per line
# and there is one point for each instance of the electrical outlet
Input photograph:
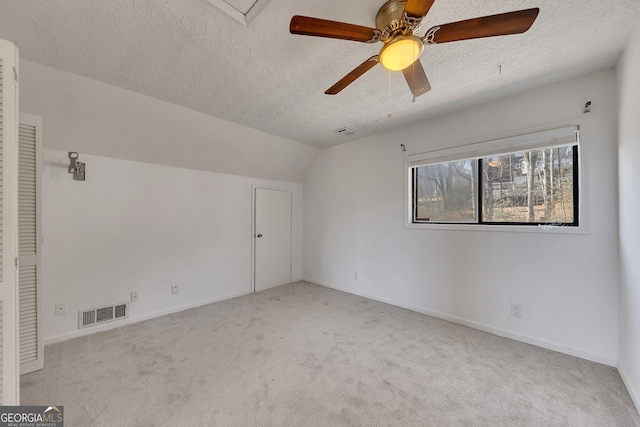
x,y
61,309
134,296
516,310
174,290
355,275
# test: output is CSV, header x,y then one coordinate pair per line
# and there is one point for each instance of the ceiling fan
x,y
398,25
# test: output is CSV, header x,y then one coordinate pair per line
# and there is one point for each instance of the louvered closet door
x,y
31,343
2,239
9,363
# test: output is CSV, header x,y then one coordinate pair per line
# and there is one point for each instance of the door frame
x,y
254,189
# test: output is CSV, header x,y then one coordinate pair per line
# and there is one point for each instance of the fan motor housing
x,y
390,22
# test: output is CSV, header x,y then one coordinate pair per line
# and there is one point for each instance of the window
x,y
526,180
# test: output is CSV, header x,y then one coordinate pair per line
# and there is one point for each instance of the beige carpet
x,y
304,355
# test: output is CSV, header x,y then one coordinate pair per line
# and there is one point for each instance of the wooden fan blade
x,y
418,8
487,26
352,76
306,26
417,79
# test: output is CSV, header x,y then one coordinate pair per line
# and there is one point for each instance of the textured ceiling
x,y
189,53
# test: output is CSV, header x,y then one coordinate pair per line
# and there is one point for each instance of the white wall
x,y
629,172
90,117
137,226
144,226
354,222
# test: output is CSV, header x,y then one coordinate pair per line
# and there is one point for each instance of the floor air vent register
x,y
99,315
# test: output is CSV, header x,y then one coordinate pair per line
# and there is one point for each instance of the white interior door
x,y
29,283
272,238
9,350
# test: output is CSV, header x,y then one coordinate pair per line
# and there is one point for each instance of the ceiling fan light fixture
x,y
398,24
401,52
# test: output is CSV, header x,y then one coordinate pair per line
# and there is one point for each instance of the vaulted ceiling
x,y
189,53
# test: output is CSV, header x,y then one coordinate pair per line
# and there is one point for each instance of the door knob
x,y
259,235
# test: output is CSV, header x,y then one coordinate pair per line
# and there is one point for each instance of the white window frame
x,y
521,141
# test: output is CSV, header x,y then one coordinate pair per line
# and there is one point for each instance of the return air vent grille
x,y
88,318
121,311
105,314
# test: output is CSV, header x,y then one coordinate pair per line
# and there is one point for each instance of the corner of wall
x,y
629,231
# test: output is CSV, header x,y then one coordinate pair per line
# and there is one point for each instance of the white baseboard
x,y
113,325
635,397
550,345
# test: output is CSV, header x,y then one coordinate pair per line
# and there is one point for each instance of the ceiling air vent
x,y
345,131
104,314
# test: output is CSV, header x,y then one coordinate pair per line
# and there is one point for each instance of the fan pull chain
x,y
389,115
413,70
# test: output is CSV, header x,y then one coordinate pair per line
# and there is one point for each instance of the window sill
x,y
502,228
